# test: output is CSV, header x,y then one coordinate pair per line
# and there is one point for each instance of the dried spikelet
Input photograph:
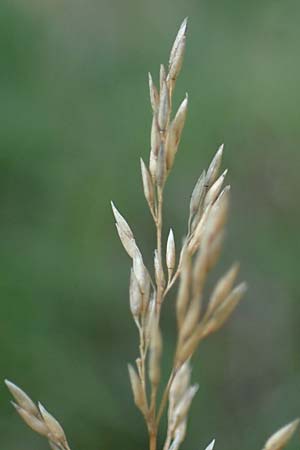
x,y
180,432
198,195
185,350
137,390
215,189
57,434
170,254
200,270
164,107
23,400
221,314
147,185
191,319
217,215
177,51
125,233
135,296
154,95
159,273
33,422
150,318
215,249
213,170
155,144
199,230
38,419
53,446
155,354
161,166
174,133
279,439
222,288
179,384
162,77
211,445
184,287
183,406
141,272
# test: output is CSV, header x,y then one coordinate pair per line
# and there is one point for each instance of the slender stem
x,y
153,440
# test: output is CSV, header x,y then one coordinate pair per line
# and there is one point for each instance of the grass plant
x,y
182,263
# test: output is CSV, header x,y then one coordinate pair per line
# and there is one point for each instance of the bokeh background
x,y
74,119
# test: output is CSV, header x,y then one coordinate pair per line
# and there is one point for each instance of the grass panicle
x,y
188,266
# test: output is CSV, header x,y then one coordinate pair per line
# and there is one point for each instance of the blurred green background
x,y
74,119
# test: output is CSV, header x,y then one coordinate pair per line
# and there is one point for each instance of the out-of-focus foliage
x,y
74,118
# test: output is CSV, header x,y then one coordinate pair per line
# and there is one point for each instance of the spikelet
x,y
211,445
125,233
214,167
137,390
147,186
38,418
174,133
279,439
170,254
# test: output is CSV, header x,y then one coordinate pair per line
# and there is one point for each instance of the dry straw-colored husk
x,y
190,265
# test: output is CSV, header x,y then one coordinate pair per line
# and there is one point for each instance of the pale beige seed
x,y
155,354
215,249
184,287
222,288
23,400
186,350
122,222
222,313
179,434
140,271
159,273
138,393
191,319
147,185
176,62
154,95
179,38
183,406
162,77
198,194
150,318
199,230
33,422
56,430
213,170
279,439
200,270
53,446
125,233
164,107
215,189
161,166
155,138
180,383
135,296
175,132
129,244
211,445
217,216
170,253
155,144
